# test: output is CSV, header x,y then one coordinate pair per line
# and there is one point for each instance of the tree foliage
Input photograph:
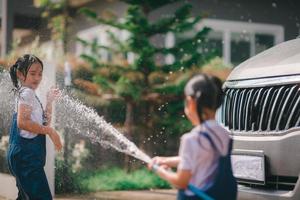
x,y
139,72
58,15
187,53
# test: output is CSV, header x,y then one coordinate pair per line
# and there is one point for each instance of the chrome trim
x,y
262,82
283,107
298,122
240,108
273,107
247,109
231,95
224,105
266,109
234,107
263,109
255,104
292,113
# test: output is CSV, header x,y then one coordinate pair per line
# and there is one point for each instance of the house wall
x,y
80,22
280,12
237,16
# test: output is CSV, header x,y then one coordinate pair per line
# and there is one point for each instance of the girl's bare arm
x,y
172,161
25,122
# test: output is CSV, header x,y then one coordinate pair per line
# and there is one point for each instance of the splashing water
x,y
6,101
85,121
80,119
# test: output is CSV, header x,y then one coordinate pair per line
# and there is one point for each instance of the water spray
x,y
86,122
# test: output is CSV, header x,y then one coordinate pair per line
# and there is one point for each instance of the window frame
x,y
227,27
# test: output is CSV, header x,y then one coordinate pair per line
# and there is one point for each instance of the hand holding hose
x,y
158,162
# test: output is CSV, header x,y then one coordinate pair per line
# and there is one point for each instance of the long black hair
x,y
206,90
22,65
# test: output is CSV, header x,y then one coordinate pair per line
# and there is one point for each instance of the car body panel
x,y
277,149
248,193
276,66
280,60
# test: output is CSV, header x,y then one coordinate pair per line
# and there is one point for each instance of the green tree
x,y
145,79
58,14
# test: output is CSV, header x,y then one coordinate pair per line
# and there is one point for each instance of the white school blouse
x,y
197,155
27,97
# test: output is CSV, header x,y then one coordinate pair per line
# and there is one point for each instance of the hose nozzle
x,y
155,167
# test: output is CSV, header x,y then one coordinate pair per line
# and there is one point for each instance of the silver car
x,y
261,109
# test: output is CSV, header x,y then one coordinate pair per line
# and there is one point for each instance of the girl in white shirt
x,y
27,144
203,165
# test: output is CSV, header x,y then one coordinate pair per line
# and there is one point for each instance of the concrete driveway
x,y
121,195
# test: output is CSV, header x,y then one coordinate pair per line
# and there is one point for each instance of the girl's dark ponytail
x,y
219,91
206,90
13,75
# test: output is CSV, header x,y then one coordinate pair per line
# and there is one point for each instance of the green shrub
x,y
117,179
66,181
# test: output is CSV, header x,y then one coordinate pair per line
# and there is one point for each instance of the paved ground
x,y
122,195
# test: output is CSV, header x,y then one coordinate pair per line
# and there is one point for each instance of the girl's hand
x,y
157,161
53,94
55,139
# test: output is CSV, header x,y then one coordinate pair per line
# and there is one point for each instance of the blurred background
x,y
129,60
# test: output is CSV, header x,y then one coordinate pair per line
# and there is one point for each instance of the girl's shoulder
x,y
25,91
216,133
219,136
26,96
192,136
196,141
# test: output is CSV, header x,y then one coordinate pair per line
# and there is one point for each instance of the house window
x,y
215,42
99,34
240,47
263,42
236,41
242,40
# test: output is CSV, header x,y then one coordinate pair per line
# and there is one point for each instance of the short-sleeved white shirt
x,y
27,97
197,155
